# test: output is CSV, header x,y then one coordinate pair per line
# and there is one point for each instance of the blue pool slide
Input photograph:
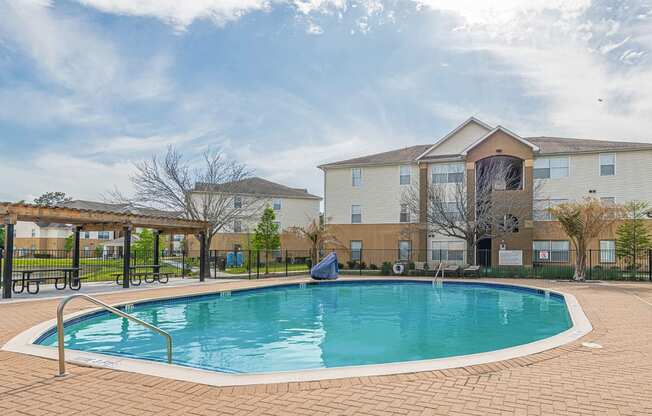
x,y
327,269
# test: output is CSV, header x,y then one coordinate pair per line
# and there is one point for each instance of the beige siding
x,y
379,196
456,143
631,182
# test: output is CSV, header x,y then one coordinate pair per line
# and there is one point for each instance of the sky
x,y
90,87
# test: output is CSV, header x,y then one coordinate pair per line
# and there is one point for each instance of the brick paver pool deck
x,y
570,380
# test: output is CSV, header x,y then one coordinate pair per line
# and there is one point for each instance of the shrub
x,y
340,265
351,264
363,265
386,269
410,265
373,267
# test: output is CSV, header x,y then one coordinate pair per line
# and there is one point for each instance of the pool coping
x,y
24,343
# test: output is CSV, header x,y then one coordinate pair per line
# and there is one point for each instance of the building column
x,y
7,270
76,250
423,213
126,257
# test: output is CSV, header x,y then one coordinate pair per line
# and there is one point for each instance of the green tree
x,y
99,249
583,221
266,235
69,243
632,236
144,246
50,199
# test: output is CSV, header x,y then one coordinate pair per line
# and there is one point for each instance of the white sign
x,y
510,257
544,255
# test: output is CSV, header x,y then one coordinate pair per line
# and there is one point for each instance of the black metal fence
x,y
99,265
254,264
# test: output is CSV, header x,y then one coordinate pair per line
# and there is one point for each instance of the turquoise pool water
x,y
331,324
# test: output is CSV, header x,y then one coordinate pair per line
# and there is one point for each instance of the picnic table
x,y
67,275
150,272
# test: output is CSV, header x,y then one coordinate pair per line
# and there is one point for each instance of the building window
x,y
33,233
277,205
541,207
607,164
356,177
103,235
237,226
405,175
356,214
452,211
405,213
551,251
404,249
356,250
86,235
447,173
450,251
237,202
551,167
607,251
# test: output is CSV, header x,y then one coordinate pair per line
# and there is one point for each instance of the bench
x,y
137,278
65,275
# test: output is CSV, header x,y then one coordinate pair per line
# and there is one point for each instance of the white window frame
x,y
443,254
359,209
405,211
549,161
237,202
404,254
608,254
555,253
358,251
277,202
100,234
448,169
600,163
237,226
402,175
356,180
549,203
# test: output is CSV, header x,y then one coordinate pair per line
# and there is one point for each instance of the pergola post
x,y
7,270
126,256
76,250
202,256
157,241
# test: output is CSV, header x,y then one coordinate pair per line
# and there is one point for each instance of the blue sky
x,y
87,87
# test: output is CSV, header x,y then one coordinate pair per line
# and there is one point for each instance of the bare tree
x,y
318,235
490,209
215,190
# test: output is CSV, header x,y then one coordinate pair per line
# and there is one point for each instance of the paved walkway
x,y
571,380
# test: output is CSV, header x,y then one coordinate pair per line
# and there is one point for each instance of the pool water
x,y
330,324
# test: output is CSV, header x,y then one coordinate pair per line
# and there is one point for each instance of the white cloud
x,y
78,177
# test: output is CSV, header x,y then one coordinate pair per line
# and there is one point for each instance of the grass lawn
x,y
277,267
93,269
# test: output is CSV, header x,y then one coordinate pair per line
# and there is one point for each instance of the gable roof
x,y
257,186
534,147
120,208
560,145
404,155
453,132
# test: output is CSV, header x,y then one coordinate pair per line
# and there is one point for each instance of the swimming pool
x,y
326,325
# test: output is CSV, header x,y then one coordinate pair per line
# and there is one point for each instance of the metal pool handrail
x,y
60,327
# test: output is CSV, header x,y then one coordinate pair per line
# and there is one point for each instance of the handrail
x,y
440,268
60,327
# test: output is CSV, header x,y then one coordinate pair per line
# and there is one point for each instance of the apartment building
x,y
293,207
363,196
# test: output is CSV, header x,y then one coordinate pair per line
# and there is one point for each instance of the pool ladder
x,y
60,327
440,268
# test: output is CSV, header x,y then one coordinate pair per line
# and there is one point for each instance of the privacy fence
x,y
254,264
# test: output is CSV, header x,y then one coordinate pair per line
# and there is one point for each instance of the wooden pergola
x,y
91,220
